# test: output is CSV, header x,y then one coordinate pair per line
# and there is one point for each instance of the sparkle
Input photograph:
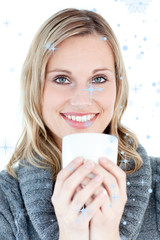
x,y
127,134
87,123
112,186
135,89
6,23
124,223
72,168
158,90
91,90
133,199
50,47
128,183
150,190
5,147
94,10
114,197
125,161
121,78
136,5
83,210
122,152
113,139
53,48
142,182
125,48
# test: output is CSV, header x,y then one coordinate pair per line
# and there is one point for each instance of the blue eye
x,y
99,79
61,80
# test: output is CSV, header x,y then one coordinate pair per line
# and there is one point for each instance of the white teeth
x,y
73,118
78,119
83,118
88,117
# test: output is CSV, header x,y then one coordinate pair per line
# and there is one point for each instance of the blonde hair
x,y
36,143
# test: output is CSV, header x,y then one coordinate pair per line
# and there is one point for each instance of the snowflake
x,y
136,5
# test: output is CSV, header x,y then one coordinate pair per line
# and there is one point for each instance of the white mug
x,y
90,146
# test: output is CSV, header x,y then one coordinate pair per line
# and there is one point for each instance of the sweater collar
x,y
37,188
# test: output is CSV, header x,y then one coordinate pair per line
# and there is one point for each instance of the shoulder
x,y
10,194
9,200
8,185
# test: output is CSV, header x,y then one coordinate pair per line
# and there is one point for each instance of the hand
x,y
72,225
105,223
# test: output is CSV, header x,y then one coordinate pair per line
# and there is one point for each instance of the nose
x,y
81,98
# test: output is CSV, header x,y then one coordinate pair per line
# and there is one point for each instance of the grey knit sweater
x,y
26,211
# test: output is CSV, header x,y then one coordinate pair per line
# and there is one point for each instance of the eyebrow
x,y
66,71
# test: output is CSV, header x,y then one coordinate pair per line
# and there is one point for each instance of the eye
x,y
61,80
99,79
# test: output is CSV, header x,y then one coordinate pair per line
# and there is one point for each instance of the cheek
x,y
52,99
107,98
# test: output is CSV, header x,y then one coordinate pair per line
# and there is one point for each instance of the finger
x,y
64,174
83,196
84,184
96,204
78,189
118,174
109,183
71,183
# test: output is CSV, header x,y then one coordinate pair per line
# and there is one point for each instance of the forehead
x,y
89,51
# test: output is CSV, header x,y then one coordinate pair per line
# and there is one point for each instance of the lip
x,y
79,125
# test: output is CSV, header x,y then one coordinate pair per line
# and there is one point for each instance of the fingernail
x,y
78,160
89,164
103,194
98,178
104,160
78,188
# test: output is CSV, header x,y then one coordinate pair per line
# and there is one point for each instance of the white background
x,y
136,25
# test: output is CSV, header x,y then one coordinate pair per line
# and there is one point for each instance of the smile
x,y
79,120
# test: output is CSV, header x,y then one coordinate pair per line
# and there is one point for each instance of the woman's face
x,y
77,97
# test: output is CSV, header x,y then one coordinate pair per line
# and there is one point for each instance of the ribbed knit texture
x,y
26,211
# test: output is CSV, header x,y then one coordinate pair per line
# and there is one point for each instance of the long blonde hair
x,y
36,143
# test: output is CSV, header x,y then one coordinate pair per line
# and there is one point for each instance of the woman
x,y
39,199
